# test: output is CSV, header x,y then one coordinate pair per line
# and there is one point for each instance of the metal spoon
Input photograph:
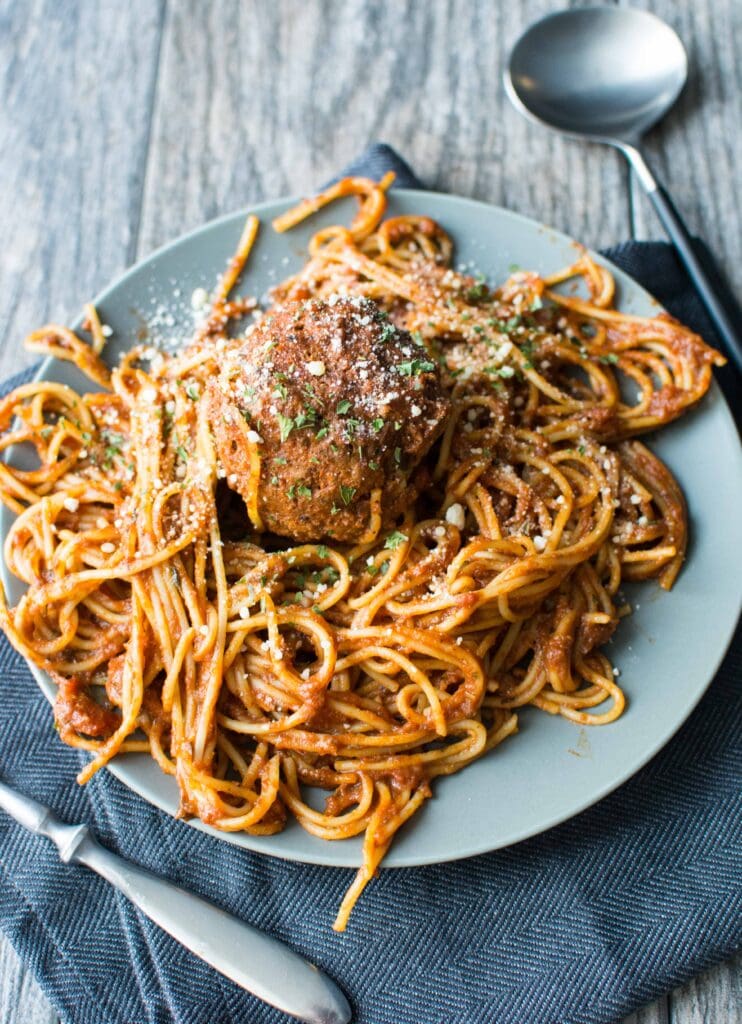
x,y
607,74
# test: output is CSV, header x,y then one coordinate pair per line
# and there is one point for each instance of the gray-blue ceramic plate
x,y
667,652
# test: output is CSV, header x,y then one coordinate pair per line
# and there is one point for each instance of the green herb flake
x,y
193,392
415,367
304,491
378,424
395,540
477,292
305,419
285,425
323,551
343,407
347,494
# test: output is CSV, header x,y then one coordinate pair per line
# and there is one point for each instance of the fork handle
x,y
253,960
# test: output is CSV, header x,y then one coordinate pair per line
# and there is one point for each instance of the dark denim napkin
x,y
581,924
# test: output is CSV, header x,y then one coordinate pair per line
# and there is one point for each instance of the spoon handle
x,y
728,332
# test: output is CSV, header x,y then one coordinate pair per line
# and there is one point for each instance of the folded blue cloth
x,y
581,924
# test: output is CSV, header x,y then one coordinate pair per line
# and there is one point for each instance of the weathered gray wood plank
x,y
714,996
697,150
21,999
259,100
76,81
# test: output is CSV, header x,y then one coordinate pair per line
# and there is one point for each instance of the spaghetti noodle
x,y
250,667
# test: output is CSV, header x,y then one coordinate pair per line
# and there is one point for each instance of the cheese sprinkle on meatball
x,y
341,404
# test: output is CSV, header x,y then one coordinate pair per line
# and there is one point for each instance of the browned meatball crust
x,y
340,402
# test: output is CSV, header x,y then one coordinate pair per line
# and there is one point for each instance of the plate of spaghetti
x,y
367,518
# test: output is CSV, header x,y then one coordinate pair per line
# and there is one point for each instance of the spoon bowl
x,y
607,74
602,72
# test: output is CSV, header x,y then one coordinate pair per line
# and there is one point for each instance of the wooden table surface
x,y
124,124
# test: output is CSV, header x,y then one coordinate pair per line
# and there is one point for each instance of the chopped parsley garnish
x,y
378,424
279,460
291,492
347,494
537,303
343,407
322,432
280,390
285,425
305,419
388,331
610,358
192,392
322,551
414,367
398,455
113,446
181,453
477,292
373,465
304,491
395,540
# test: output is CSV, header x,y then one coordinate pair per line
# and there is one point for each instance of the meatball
x,y
340,402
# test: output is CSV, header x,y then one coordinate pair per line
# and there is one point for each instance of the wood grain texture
x,y
76,82
714,997
286,93
124,124
21,999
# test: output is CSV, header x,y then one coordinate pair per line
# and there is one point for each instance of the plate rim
x,y
350,859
